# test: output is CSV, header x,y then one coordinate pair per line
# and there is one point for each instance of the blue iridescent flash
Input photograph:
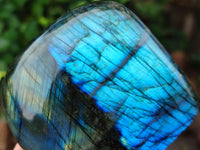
x,y
97,79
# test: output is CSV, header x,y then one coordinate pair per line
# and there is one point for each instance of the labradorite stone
x,y
97,79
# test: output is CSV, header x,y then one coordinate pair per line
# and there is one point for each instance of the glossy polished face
x,y
97,79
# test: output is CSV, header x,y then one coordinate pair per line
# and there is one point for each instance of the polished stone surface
x,y
97,79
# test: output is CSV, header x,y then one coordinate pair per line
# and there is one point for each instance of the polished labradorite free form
x,y
97,79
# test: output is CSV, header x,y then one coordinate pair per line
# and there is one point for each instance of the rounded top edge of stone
x,y
85,8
